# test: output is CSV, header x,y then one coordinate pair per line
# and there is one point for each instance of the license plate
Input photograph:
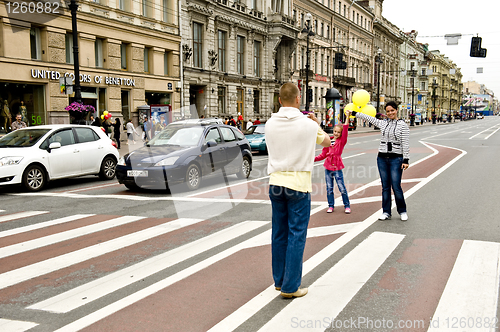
x,y
138,173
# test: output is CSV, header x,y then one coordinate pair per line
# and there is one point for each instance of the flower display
x,y
78,107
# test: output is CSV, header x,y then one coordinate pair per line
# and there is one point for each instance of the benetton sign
x,y
55,75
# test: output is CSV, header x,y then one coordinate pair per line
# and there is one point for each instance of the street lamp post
x,y
379,61
308,30
434,87
449,116
73,6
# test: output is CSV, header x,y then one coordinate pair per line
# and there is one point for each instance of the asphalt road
x,y
97,257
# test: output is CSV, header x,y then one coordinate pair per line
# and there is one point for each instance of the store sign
x,y
55,75
321,78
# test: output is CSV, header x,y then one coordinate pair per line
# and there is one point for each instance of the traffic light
x,y
309,96
339,64
475,48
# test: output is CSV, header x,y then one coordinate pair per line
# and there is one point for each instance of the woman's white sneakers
x,y
404,216
384,216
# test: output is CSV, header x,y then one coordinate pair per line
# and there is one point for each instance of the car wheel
x,y
193,177
34,178
108,168
244,172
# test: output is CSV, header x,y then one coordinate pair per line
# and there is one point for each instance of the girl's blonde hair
x,y
339,126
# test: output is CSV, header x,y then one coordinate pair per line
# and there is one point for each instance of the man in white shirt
x,y
290,163
249,123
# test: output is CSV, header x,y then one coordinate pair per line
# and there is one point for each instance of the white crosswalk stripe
x,y
49,223
21,215
53,264
64,236
471,293
7,325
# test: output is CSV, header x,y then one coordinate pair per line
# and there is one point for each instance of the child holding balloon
x,y
333,165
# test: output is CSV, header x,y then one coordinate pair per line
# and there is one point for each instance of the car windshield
x,y
255,130
178,135
22,138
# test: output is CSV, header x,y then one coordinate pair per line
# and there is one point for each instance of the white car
x,y
479,116
35,155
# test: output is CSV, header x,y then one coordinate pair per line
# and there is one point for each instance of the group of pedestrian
x,y
290,163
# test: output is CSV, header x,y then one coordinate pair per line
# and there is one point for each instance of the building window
x,y
328,31
145,8
240,56
256,101
253,4
422,86
333,34
222,50
35,44
168,11
340,5
240,93
146,59
327,65
256,58
345,11
99,63
315,62
69,48
125,5
322,30
222,99
316,26
197,45
165,64
322,69
123,51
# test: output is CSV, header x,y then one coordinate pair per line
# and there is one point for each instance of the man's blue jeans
x,y
390,175
291,212
339,178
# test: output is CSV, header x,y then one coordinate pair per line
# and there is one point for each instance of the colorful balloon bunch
x,y
105,115
359,103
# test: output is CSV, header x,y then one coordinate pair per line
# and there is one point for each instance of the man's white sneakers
x,y
404,216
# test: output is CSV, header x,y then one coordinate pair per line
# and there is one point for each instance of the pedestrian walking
x,y
333,165
131,131
257,122
117,128
393,157
249,124
290,163
18,124
145,127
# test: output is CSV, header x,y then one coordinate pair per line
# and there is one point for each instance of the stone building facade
x,y
128,57
235,56
446,85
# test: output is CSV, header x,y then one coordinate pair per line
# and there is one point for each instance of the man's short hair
x,y
288,93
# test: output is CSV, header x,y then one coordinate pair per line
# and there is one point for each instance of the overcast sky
x,y
435,18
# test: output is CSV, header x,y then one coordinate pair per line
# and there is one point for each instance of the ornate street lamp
x,y
379,61
308,30
73,6
434,96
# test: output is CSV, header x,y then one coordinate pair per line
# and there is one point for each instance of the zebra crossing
x,y
470,292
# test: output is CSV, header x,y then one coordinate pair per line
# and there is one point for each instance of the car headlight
x,y
121,161
6,161
167,161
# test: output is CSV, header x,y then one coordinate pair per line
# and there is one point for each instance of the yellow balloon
x,y
102,116
105,113
361,98
368,110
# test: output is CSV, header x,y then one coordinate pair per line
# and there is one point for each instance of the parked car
x,y
186,152
35,155
256,136
479,116
352,124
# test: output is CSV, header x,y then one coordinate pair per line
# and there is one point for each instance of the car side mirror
x,y
211,144
54,145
